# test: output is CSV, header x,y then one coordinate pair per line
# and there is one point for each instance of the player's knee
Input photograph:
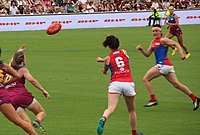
x,y
145,79
131,110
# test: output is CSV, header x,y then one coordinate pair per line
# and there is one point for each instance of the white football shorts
x,y
125,88
165,69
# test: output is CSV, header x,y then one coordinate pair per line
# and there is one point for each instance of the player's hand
x,y
22,48
46,94
99,59
139,47
103,71
182,56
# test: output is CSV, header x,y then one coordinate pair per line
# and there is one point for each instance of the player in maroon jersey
x,y
121,83
175,30
20,97
5,104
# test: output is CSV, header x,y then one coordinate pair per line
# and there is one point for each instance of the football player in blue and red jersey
x,y
163,66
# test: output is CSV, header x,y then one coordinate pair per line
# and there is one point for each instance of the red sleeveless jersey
x,y
119,67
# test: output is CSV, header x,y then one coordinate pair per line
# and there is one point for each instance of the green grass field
x,y
65,65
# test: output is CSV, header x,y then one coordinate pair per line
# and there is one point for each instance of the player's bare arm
x,y
99,59
106,64
22,48
24,72
171,43
147,52
125,53
11,72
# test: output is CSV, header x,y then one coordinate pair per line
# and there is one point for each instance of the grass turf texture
x,y
65,65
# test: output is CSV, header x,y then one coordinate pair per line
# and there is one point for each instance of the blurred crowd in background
x,y
32,7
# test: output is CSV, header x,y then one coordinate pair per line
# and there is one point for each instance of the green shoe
x,y
100,126
39,128
140,133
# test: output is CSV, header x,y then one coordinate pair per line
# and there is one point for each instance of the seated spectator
x,y
27,9
90,7
70,7
155,16
177,4
148,4
48,3
118,2
13,9
56,9
184,4
155,4
4,11
84,8
165,4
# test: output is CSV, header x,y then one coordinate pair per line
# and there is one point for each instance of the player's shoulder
x,y
175,16
125,52
23,70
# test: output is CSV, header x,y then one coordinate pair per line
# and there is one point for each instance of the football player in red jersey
x,y
163,66
121,83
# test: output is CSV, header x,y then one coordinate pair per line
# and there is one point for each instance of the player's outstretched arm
x,y
22,48
11,72
171,43
146,53
34,82
99,59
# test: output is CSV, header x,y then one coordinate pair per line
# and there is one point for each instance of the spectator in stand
x,y
195,3
48,10
27,9
14,1
84,8
76,7
148,4
155,4
1,4
13,9
90,7
109,7
70,7
7,6
165,4
48,3
184,4
177,4
117,2
4,11
56,9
